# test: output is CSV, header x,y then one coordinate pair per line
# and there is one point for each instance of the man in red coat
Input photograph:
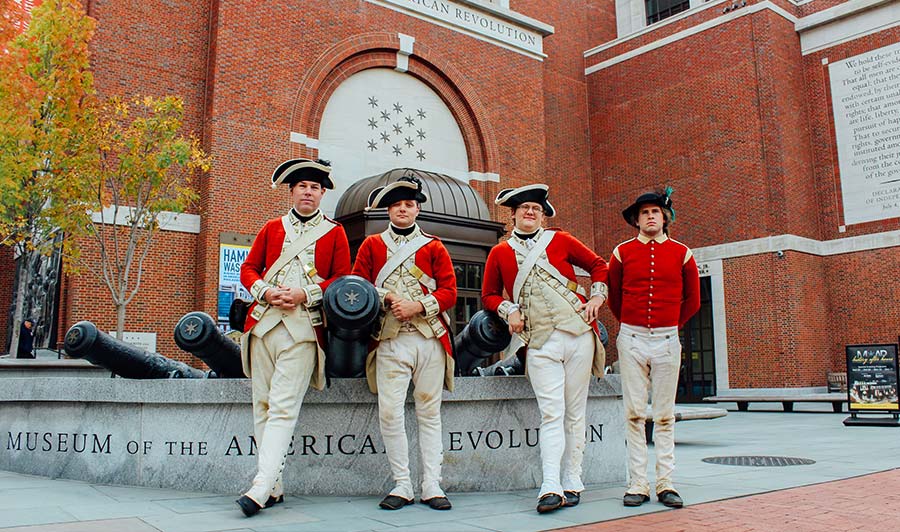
x,y
414,277
654,288
293,259
529,280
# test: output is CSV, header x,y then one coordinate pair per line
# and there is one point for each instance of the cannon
x,y
197,333
514,364
484,335
85,341
351,306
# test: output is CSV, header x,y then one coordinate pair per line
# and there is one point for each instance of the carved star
x,y
410,121
421,155
372,145
373,101
421,113
409,142
190,328
351,297
398,108
397,129
397,151
385,137
373,123
421,134
386,116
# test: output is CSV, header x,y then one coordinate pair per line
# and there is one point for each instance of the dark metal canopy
x,y
446,195
454,212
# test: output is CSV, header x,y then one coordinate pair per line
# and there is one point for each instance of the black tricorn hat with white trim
x,y
296,170
662,199
536,193
405,188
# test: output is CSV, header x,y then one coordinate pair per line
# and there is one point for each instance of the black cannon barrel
x,y
351,306
197,333
85,341
511,365
484,335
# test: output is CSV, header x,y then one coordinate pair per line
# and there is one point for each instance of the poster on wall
x,y
872,378
231,256
865,99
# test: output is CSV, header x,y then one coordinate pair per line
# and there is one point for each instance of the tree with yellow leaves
x,y
46,98
142,179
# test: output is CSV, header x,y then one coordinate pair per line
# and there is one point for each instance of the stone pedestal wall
x,y
197,435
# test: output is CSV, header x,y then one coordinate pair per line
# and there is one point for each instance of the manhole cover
x,y
758,461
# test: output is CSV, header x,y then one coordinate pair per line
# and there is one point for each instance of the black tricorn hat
x,y
537,193
296,170
662,199
405,188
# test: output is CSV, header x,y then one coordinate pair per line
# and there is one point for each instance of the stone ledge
x,y
223,391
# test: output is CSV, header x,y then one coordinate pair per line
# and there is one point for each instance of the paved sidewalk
x,y
34,504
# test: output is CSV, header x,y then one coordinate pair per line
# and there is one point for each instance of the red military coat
x,y
653,282
434,260
332,260
564,252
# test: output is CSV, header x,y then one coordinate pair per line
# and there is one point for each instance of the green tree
x,y
46,97
144,171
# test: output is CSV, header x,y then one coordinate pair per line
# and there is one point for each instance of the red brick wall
x,y
865,301
165,294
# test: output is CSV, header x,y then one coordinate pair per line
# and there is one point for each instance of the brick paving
x,y
862,503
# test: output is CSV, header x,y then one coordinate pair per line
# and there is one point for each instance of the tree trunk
x,y
120,321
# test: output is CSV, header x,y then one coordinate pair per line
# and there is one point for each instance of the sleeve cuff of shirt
x,y
600,289
506,308
313,295
258,290
431,306
382,293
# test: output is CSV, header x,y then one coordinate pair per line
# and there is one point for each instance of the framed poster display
x,y
872,383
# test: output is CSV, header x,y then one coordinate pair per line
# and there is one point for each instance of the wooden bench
x,y
837,381
787,400
685,413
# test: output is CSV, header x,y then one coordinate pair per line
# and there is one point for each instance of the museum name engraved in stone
x,y
302,445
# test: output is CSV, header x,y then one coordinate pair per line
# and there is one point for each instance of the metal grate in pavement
x,y
758,461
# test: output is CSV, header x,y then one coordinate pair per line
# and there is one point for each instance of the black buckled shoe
x,y
272,501
248,506
572,498
635,499
438,503
394,502
549,502
670,498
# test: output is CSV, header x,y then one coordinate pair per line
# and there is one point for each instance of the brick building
x,y
777,122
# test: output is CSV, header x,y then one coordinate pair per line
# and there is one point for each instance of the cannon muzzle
x,y
197,333
484,335
85,341
351,309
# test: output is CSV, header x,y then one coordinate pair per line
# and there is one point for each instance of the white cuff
x,y
431,306
258,291
506,308
313,295
382,293
600,289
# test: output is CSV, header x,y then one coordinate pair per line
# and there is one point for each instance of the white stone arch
x,y
429,138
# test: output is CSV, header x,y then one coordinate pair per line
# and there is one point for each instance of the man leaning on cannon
x,y
292,260
529,280
414,276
